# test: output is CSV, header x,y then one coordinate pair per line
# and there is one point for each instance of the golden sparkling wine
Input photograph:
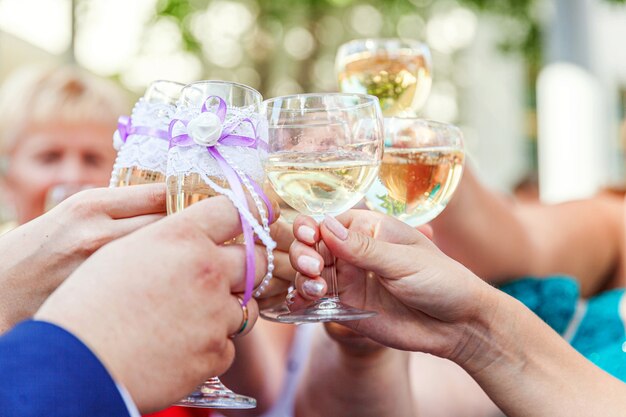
x,y
323,183
400,80
185,190
137,176
415,185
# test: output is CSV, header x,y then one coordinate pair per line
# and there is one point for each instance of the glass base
x,y
325,309
271,314
213,394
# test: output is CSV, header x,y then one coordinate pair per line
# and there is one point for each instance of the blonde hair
x,y
37,95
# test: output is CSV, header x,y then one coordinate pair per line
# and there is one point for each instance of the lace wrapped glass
x,y
217,138
142,140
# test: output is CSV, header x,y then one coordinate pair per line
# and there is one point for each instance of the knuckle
x,y
155,197
365,245
83,205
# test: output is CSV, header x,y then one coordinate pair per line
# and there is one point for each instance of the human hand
x,y
39,255
158,306
425,301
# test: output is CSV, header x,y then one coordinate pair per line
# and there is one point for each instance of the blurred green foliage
x,y
264,49
275,17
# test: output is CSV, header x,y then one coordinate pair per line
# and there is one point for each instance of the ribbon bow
x,y
125,128
208,130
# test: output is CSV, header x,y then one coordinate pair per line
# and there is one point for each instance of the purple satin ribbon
x,y
228,139
125,128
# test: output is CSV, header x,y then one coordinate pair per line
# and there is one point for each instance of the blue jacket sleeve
x,y
47,371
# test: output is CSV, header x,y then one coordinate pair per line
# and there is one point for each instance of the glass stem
x,y
329,272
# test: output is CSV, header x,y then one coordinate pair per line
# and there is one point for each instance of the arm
x,y
38,361
499,239
528,370
346,372
430,303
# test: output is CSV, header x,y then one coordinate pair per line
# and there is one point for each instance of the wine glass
x,y
142,154
324,153
186,172
396,71
421,168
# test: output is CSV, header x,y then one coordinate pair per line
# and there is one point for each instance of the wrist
x,y
489,335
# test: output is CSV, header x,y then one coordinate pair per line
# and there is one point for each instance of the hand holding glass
x,y
324,153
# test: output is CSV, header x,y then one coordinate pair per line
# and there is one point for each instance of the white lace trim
x,y
142,151
196,158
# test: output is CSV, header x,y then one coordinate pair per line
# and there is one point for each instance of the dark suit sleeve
x,y
46,371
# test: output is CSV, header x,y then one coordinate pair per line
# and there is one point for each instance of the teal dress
x,y
596,327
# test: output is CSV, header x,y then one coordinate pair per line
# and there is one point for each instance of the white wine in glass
x,y
421,168
317,184
396,71
187,189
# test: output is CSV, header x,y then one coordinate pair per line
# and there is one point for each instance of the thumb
x,y
386,259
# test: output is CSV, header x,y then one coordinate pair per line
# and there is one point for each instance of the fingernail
x,y
337,228
309,265
307,234
313,288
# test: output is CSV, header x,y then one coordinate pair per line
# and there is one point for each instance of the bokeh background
x,y
538,86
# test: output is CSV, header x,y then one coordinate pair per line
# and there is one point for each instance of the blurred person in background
x,y
55,131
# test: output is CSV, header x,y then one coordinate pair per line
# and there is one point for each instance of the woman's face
x,y
54,154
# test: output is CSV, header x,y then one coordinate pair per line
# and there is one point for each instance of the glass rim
x,y
424,123
164,91
369,100
159,81
413,43
236,84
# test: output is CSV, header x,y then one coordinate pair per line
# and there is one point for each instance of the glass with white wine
x,y
421,168
193,173
396,71
143,143
324,153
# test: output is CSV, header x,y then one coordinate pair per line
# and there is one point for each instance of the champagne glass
x,y
324,153
142,154
396,71
187,166
421,168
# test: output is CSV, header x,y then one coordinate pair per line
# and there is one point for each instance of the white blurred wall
x,y
579,148
493,108
15,52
